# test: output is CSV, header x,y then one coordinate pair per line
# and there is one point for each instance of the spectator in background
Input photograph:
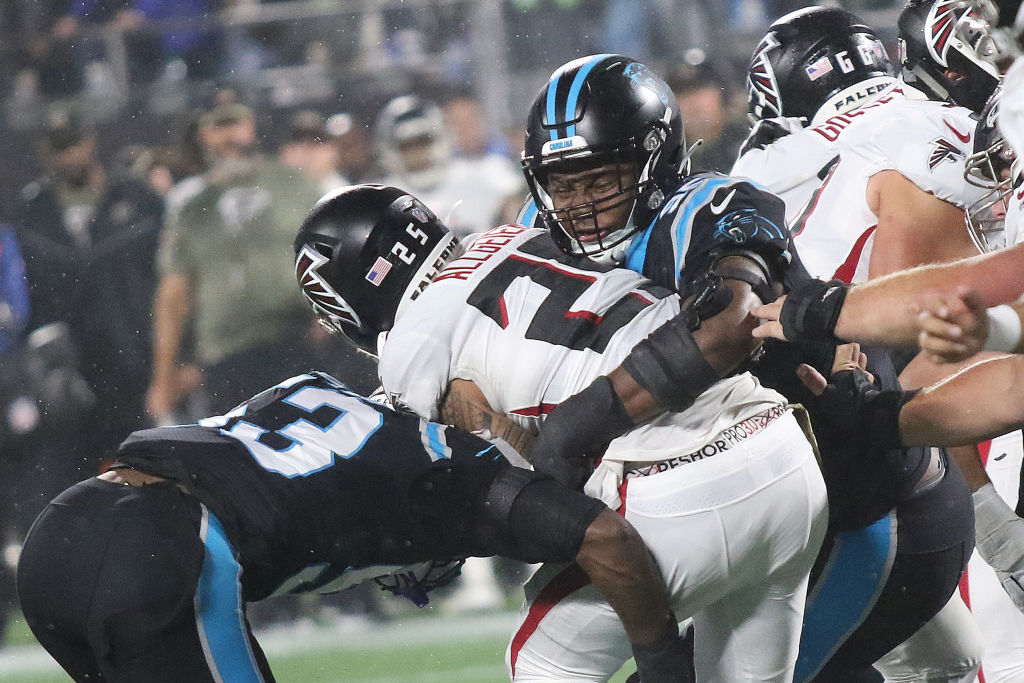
x,y
709,115
17,414
147,49
356,161
466,121
225,268
468,194
309,148
88,239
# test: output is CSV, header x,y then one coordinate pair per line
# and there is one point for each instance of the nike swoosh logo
x,y
962,137
720,207
1020,195
1000,457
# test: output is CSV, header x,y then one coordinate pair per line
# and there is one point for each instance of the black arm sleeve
x,y
576,430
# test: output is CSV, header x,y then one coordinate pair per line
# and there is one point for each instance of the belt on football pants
x,y
723,441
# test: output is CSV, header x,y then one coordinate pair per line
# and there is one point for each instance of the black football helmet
x,y
363,253
937,37
814,63
995,168
595,111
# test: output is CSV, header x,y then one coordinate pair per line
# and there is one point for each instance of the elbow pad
x,y
812,309
670,366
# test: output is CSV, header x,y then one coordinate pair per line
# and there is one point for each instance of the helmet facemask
x,y
948,53
997,170
618,186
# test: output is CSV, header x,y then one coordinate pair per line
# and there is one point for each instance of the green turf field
x,y
414,647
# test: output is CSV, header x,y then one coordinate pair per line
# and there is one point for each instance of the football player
x,y
827,68
678,231
725,491
812,65
895,197
143,572
954,331
416,153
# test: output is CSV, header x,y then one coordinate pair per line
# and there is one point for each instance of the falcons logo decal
x,y
944,151
317,291
940,26
761,85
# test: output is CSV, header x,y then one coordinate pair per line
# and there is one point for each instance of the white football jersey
x,y
792,167
531,327
927,142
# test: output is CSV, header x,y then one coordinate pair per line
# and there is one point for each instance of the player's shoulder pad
x,y
725,214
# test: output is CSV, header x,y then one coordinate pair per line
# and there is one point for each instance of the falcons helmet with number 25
x,y
364,253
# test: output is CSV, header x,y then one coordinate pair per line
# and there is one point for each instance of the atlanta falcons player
x,y
813,64
895,198
737,510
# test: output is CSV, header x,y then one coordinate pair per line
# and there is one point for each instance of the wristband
x,y
1004,329
812,309
667,660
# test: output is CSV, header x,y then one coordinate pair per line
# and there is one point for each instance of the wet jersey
x,y
709,216
314,484
791,167
925,141
532,326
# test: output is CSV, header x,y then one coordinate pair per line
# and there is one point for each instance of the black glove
x,y
854,406
669,660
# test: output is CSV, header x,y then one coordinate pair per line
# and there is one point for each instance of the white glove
x,y
1000,541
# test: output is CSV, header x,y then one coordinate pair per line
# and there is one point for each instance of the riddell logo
x,y
944,150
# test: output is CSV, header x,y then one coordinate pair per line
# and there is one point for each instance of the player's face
x,y
593,203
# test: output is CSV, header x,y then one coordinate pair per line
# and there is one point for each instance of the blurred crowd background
x,y
159,155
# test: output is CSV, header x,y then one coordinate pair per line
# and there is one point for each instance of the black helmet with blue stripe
x,y
597,111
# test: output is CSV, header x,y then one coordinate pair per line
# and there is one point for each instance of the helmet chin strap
x,y
922,77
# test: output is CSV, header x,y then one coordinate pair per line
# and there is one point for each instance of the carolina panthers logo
x,y
940,25
317,291
944,150
642,77
762,89
744,225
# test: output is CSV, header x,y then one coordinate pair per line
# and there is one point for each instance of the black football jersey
x,y
316,486
708,216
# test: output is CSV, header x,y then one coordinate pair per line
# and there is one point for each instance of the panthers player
x,y
515,326
677,232
142,573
